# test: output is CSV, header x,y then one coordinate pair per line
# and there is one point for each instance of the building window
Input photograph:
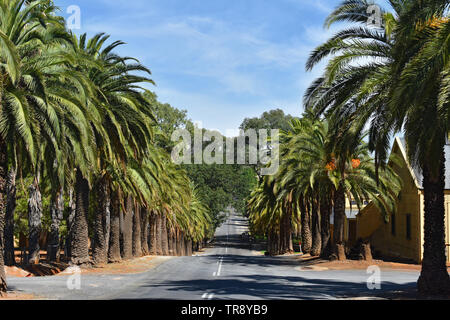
x,y
408,226
393,224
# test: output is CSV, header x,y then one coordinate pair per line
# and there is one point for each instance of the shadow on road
x,y
280,287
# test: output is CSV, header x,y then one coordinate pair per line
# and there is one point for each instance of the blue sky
x,y
220,60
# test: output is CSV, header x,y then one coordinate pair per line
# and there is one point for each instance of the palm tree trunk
x,y
99,246
56,214
290,242
183,245
178,243
325,210
114,233
128,230
137,248
9,218
306,230
34,221
189,247
317,236
164,237
286,245
69,222
434,278
158,242
152,234
170,242
121,224
80,234
273,243
3,197
338,227
144,231
107,222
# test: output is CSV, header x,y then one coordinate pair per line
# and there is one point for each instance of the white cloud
x,y
212,48
238,59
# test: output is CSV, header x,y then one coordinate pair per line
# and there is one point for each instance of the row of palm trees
x,y
394,78
321,163
74,115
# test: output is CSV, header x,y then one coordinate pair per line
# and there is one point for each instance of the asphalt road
x,y
227,271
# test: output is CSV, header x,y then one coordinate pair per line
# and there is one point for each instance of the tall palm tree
x,y
124,130
23,98
420,100
43,65
355,177
306,158
272,213
318,164
402,86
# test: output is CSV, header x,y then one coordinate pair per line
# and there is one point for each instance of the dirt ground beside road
x,y
314,263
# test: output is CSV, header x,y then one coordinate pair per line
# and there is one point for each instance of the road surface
x,y
229,270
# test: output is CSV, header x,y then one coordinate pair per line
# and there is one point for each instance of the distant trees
x,y
269,120
218,185
273,119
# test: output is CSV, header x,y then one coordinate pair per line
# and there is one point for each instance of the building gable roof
x,y
416,172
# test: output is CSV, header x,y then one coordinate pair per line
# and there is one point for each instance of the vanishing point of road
x,y
227,271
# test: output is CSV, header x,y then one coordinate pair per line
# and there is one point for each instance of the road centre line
x,y
216,274
220,266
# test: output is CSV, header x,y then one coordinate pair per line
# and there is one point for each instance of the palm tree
x,y
305,174
402,86
272,212
43,65
124,130
23,37
320,161
420,100
355,177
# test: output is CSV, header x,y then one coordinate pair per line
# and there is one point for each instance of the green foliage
x,y
273,119
219,186
394,78
222,186
317,156
168,119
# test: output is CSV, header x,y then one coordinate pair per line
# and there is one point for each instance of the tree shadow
x,y
279,287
